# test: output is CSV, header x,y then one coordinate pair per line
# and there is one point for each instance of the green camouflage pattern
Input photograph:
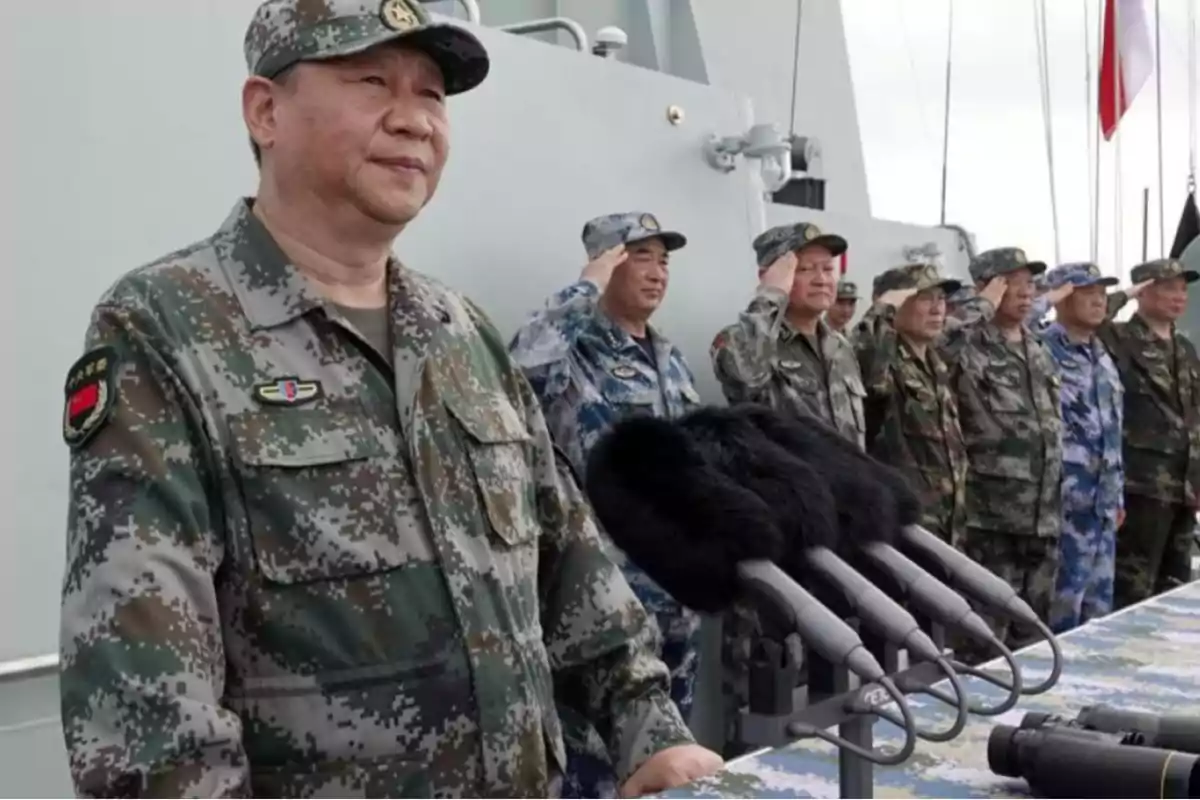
x,y
847,290
914,276
1011,415
1162,401
1001,261
285,32
1141,659
763,359
382,588
1162,269
775,242
912,420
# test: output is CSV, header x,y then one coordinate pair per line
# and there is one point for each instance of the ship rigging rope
x,y
795,70
1191,93
1039,28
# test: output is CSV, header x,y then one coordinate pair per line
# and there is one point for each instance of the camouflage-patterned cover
x,y
762,359
912,420
284,32
627,227
847,290
1140,659
1162,269
1001,261
775,242
291,572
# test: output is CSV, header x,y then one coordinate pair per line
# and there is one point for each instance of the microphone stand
x,y
820,694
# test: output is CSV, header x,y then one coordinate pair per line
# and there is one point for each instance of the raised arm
x,y
542,346
143,667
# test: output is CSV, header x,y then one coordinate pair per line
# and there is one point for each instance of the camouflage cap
x,y
1080,273
1162,269
847,290
914,276
610,230
963,295
774,242
284,32
1001,261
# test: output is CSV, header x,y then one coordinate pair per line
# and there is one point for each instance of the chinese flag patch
x,y
91,393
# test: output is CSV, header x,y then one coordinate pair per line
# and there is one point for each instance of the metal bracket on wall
x,y
551,24
763,142
470,7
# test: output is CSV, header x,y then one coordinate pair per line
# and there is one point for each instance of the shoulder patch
x,y
91,394
719,342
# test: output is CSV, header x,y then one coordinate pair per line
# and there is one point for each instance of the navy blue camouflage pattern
x,y
588,373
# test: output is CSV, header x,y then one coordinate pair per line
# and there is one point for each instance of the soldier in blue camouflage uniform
x,y
319,542
1093,467
592,358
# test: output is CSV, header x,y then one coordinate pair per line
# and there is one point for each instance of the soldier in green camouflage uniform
x,y
911,410
319,542
1161,376
838,318
780,352
1008,398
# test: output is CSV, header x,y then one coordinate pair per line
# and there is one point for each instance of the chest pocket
x,y
321,495
497,444
629,399
856,394
1004,390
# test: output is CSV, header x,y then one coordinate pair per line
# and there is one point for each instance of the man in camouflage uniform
x,y
1093,469
838,317
318,541
1161,376
911,412
592,358
1007,387
780,352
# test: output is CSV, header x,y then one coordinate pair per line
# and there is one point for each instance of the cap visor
x,y
1107,281
830,241
671,240
460,56
1034,267
949,286
1190,275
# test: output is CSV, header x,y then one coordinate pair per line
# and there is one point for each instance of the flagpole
x,y
1039,29
946,107
1146,224
1093,176
1118,210
1162,235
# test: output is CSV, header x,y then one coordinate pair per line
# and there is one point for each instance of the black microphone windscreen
x,y
801,500
678,519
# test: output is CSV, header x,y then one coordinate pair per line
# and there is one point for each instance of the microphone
x,y
984,587
710,542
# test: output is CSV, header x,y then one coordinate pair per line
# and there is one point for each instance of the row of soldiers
x,y
1010,428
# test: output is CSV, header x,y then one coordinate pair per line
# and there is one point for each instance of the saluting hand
x,y
1137,288
600,269
995,289
896,297
1060,293
781,274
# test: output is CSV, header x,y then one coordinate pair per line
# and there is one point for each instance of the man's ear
x,y
259,110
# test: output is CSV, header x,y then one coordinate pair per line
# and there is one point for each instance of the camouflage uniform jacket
x,y
375,591
1009,407
912,419
588,373
763,359
1092,419
1162,423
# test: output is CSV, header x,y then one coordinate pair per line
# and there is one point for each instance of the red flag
x,y
842,264
1126,60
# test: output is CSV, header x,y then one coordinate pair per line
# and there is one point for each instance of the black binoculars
x,y
1102,752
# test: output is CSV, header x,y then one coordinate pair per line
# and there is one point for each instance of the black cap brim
x,y
1106,282
672,240
461,57
1190,276
830,241
948,286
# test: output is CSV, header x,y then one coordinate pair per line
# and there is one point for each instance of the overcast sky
x,y
998,184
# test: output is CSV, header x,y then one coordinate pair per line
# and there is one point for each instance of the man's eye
x,y
374,80
433,94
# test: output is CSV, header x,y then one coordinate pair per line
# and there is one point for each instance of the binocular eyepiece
x,y
1103,752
